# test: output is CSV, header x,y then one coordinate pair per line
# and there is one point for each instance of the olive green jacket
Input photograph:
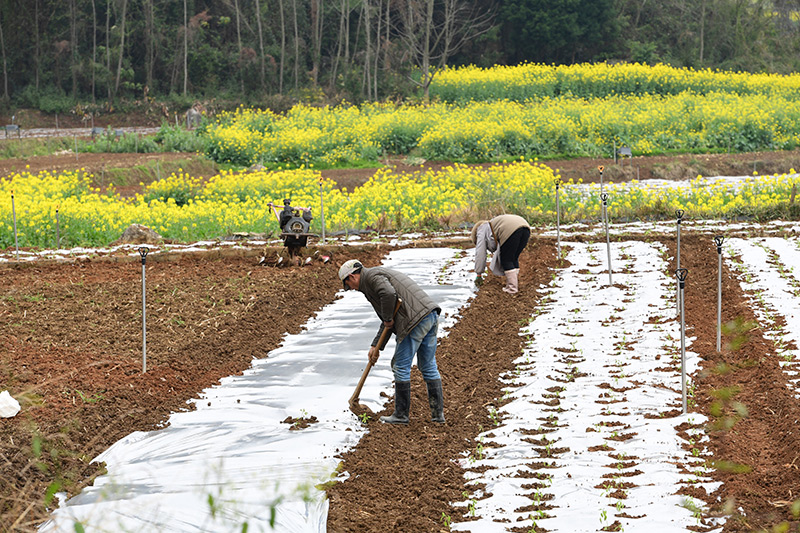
x,y
382,286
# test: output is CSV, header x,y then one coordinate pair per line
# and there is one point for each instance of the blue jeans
x,y
422,341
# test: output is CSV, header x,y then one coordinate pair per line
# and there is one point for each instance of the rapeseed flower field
x,y
597,80
518,114
491,131
480,115
184,209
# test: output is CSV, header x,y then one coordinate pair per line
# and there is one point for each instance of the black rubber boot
x,y
402,399
435,400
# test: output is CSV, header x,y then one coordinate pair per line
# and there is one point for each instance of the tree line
x,y
58,52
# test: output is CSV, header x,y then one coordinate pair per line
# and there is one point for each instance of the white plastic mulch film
x,y
232,463
584,444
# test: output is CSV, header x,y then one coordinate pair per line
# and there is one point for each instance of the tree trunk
x,y
346,32
296,46
149,44
5,62
185,47
366,78
94,50
316,39
121,46
387,25
261,45
638,14
73,46
283,44
702,30
377,55
37,54
339,43
108,50
426,50
239,39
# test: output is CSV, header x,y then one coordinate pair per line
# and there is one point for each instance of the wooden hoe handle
x,y
381,344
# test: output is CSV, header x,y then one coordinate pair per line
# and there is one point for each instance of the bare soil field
x,y
70,350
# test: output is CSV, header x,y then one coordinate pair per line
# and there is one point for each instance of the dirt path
x,y
672,167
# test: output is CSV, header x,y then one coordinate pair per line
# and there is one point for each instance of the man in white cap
x,y
415,327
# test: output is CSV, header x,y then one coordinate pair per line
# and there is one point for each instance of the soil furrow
x,y
743,390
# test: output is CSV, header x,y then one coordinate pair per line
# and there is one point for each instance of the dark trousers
x,y
512,248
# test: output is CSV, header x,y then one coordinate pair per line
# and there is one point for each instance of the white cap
x,y
348,268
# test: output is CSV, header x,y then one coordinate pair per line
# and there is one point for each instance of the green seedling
x,y
94,398
364,417
697,513
494,416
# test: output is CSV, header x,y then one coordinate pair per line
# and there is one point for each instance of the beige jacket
x,y
483,235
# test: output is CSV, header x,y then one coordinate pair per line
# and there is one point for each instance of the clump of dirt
x,y
300,422
126,172
678,167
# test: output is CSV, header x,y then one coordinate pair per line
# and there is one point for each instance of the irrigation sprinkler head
x,y
557,182
679,213
718,240
682,274
143,252
604,198
601,168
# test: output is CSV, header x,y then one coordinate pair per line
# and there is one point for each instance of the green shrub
x,y
178,139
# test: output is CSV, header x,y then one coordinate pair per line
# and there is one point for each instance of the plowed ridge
x,y
770,277
589,440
